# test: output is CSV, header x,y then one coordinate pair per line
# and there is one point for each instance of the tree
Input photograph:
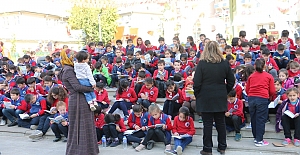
x,y
86,18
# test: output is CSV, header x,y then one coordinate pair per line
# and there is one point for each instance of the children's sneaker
x,y
296,142
286,141
254,141
179,150
168,147
238,137
150,145
108,143
2,122
140,147
92,107
115,143
33,127
134,145
36,134
261,143
170,152
200,120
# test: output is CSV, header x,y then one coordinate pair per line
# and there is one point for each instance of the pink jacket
x,y
289,83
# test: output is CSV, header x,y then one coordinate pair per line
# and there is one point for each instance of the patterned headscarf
x,y
67,57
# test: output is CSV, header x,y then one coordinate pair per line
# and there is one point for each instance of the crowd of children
x,y
33,97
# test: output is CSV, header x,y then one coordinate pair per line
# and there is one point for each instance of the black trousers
x,y
234,121
138,87
99,133
157,135
289,123
110,131
208,118
161,88
171,108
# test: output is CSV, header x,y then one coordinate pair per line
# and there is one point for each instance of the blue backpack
x,y
144,118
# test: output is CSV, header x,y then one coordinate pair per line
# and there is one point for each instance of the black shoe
x,y
108,143
12,124
66,140
56,139
221,151
150,145
205,153
114,144
134,145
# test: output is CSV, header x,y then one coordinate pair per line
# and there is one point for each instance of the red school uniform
x,y
239,90
165,72
137,120
255,50
292,45
102,96
152,48
5,99
236,63
235,49
272,47
123,59
188,63
172,94
152,93
22,105
158,121
121,124
153,63
28,75
38,90
237,108
297,60
109,67
99,121
123,50
184,127
127,94
291,74
183,73
271,62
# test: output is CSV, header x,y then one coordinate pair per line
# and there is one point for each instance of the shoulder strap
x,y
133,117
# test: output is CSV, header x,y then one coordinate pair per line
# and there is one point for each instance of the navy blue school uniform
x,y
152,65
132,122
132,74
23,91
240,58
280,59
59,129
47,88
114,75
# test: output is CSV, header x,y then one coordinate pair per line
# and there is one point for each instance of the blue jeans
x,y
136,137
59,129
182,142
122,105
11,113
27,122
90,96
258,108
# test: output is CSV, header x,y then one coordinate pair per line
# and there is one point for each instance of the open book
x,y
119,100
189,93
7,104
24,116
157,51
182,136
176,97
57,119
231,110
123,76
129,132
275,102
52,109
156,126
289,113
23,69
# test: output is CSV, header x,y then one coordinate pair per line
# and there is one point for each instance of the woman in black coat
x,y
212,81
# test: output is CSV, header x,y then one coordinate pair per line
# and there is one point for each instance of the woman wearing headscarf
x,y
82,139
212,81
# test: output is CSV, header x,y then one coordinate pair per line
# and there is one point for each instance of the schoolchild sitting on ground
x,y
113,129
22,86
29,73
130,58
49,83
28,60
177,69
128,70
248,59
151,66
234,117
271,65
297,53
138,120
139,67
245,49
60,124
228,51
174,99
148,93
109,66
18,106
285,80
168,64
232,62
101,74
281,57
189,99
293,68
184,128
118,69
138,55
125,98
287,117
187,66
35,89
137,83
99,123
10,81
161,76
238,89
119,55
159,129
279,92
101,96
3,99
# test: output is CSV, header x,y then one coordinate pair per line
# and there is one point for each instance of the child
x,y
192,57
187,66
99,123
101,74
236,45
293,69
113,129
272,67
228,51
109,53
272,45
28,60
183,126
151,66
10,81
18,106
130,58
117,70
281,57
234,115
297,54
288,42
176,52
161,76
49,83
242,36
162,46
255,48
138,120
149,46
157,133
245,49
193,46
148,93
263,35
177,69
285,80
61,126
137,59
3,99
174,99
85,77
169,61
140,44
125,98
137,83
130,46
202,37
22,86
101,96
232,62
189,100
279,92
129,71
109,66
292,105
248,59
119,55
120,47
258,100
139,67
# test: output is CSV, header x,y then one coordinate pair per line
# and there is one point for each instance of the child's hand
x,y
33,116
12,107
64,123
227,114
118,128
176,134
130,78
119,73
143,128
51,122
136,127
31,89
280,101
94,86
146,63
296,115
127,100
164,127
193,97
286,58
103,102
161,78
